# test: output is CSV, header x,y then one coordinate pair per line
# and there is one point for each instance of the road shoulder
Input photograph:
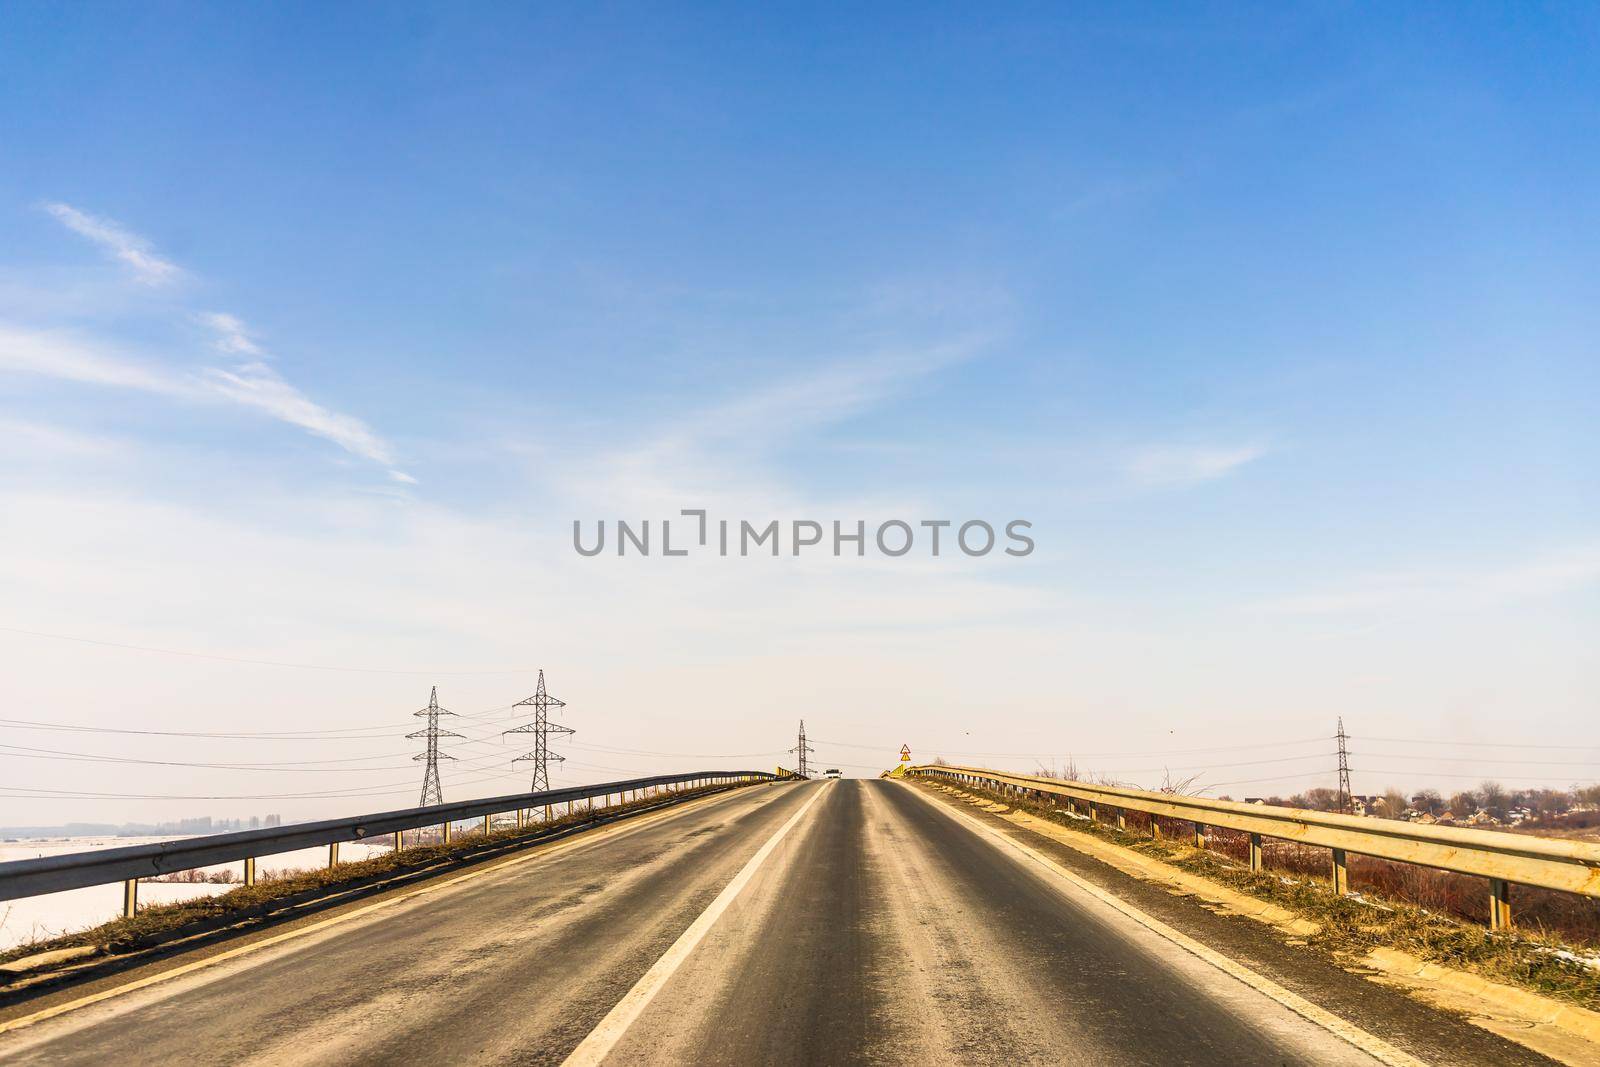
x,y
368,907
1270,941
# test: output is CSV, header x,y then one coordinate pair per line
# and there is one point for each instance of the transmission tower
x,y
541,728
803,751
431,792
1345,804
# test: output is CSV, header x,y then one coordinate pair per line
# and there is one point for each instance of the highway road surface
x,y
826,922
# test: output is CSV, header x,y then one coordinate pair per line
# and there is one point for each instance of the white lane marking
x,y
604,1037
1373,1046
537,852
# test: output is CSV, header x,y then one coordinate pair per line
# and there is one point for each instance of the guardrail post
x,y
1094,812
1341,873
250,871
130,898
547,813
1155,829
447,831
1499,904
1199,835
486,819
1255,853
399,840
1122,819
333,854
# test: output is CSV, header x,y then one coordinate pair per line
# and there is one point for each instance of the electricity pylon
x,y
1346,805
803,751
541,728
432,793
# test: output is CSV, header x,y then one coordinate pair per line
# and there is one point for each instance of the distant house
x,y
1517,815
1481,818
1366,805
1255,800
1445,818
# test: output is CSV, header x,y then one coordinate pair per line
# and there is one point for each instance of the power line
x,y
1218,766
1258,781
1086,755
291,765
249,660
679,755
1496,762
353,733
391,789
1434,741
1445,774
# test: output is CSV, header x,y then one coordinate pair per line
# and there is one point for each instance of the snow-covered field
x,y
33,918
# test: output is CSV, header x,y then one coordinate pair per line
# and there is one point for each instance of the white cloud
x,y
1165,465
232,337
258,386
57,354
251,382
255,385
831,393
719,453
1548,575
130,248
34,439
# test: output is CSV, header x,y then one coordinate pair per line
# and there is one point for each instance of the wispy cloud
x,y
249,380
1172,465
130,248
231,335
1546,575
720,452
829,393
258,386
27,437
59,354
254,384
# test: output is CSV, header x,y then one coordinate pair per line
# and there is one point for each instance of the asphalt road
x,y
827,923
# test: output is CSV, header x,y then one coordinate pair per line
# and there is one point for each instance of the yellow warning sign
x,y
905,753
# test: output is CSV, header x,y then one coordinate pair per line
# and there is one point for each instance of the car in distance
x,y
831,772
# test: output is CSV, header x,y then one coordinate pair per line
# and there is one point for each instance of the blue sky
x,y
319,326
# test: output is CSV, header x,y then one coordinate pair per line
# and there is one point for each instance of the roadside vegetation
x,y
156,924
1417,910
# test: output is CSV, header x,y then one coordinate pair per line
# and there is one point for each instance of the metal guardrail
x,y
1503,858
76,870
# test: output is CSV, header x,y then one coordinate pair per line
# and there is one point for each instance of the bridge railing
x,y
76,870
1505,859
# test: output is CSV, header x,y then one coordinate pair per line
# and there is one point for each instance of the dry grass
x,y
156,923
1427,913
